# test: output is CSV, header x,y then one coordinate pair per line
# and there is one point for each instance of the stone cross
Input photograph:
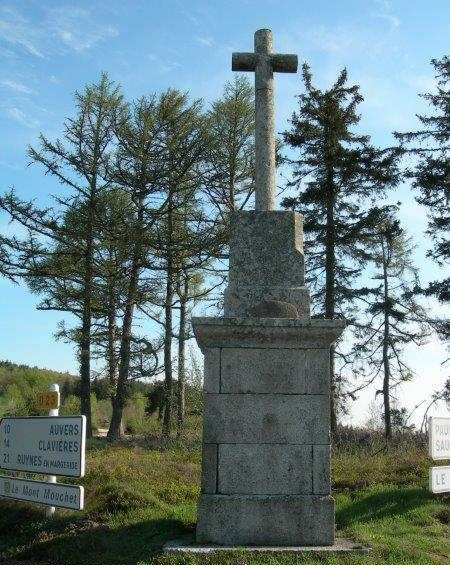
x,y
264,63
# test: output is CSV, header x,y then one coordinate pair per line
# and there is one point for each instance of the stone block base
x,y
275,520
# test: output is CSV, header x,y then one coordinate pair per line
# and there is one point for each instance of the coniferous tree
x,y
182,236
431,175
78,161
229,170
161,144
337,174
394,317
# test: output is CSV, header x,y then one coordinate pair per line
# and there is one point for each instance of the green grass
x,y
138,497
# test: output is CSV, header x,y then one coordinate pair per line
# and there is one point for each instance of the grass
x,y
138,497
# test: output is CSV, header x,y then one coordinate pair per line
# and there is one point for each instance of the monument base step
x,y
268,520
188,545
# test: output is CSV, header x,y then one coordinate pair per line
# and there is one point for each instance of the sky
x,y
48,50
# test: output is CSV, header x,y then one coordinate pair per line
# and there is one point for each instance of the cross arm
x,y
243,61
279,63
284,63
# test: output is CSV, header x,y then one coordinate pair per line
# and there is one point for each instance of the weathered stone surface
x,y
266,418
274,309
276,371
240,301
266,332
266,520
211,372
266,249
209,468
321,469
316,368
264,469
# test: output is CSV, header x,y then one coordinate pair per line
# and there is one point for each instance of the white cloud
x,y
345,42
74,27
420,82
161,65
193,19
208,41
21,118
17,31
393,20
77,29
16,86
385,13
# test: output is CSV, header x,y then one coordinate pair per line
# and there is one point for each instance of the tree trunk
x,y
112,357
330,273
182,358
120,396
386,365
85,341
167,421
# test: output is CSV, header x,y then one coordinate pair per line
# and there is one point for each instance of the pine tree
x,y
337,174
431,175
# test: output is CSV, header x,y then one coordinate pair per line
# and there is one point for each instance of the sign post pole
x,y
50,511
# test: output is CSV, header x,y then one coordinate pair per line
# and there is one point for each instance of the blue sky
x,y
50,49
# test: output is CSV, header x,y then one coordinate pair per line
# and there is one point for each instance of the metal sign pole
x,y
50,511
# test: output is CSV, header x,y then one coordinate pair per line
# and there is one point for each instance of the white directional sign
x,y
62,496
439,438
48,445
440,479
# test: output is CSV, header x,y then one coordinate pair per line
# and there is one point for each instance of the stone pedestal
x,y
266,442
266,438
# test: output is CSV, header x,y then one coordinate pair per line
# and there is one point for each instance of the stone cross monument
x,y
266,440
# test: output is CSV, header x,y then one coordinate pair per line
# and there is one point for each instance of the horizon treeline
x,y
138,233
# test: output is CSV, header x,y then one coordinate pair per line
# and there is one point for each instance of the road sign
x,y
439,438
48,400
440,479
49,445
62,496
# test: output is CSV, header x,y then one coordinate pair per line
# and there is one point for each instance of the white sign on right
x,y
439,438
440,479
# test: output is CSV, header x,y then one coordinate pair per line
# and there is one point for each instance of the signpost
x,y
439,438
439,449
62,496
53,411
440,479
47,445
52,446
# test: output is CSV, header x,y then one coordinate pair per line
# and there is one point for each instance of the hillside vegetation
x,y
20,385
